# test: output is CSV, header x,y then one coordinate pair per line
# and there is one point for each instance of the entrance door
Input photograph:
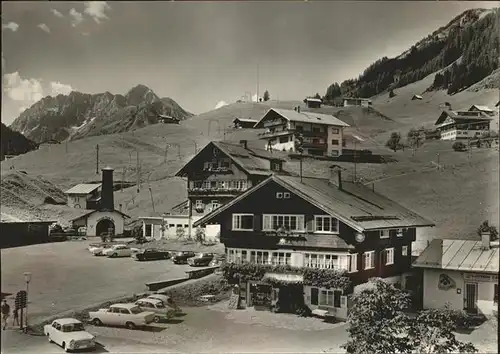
x,y
471,297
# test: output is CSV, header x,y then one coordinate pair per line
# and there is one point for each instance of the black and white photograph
x,y
260,176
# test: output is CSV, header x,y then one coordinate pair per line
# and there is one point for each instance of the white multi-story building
x,y
323,134
454,125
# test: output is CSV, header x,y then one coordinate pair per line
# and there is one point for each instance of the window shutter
x,y
235,222
256,223
300,222
343,302
314,296
310,225
266,222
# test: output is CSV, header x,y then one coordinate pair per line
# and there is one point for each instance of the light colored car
x,y
70,334
161,311
128,315
167,301
98,250
118,251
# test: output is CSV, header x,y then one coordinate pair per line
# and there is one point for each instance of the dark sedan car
x,y
201,260
182,257
152,254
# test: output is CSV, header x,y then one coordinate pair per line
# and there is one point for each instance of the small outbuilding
x,y
313,102
15,233
416,97
244,123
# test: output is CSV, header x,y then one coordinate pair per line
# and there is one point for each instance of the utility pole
x,y
152,200
257,82
123,177
66,145
97,159
439,166
138,173
166,153
355,158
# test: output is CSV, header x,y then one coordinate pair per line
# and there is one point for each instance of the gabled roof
x,y
253,161
88,212
356,98
245,120
306,117
460,255
481,108
462,115
83,188
163,116
498,104
314,99
356,205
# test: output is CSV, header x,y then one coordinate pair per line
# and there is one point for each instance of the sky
x,y
203,54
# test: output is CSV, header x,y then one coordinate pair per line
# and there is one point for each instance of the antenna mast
x,y
257,82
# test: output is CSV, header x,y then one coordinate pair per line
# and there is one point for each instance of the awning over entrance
x,y
286,278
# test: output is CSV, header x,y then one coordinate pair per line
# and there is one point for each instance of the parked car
x,y
182,257
152,254
161,311
99,250
218,260
95,246
128,315
201,260
70,334
117,251
167,301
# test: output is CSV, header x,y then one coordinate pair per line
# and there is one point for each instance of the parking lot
x,y
67,276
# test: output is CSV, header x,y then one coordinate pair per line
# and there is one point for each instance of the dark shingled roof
x,y
462,115
252,160
354,204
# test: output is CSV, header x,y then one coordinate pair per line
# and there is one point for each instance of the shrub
x,y
459,146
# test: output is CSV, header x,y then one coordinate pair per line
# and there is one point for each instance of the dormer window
x,y
276,166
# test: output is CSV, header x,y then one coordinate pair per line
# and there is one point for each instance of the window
x,y
213,184
326,261
224,163
198,204
353,262
281,258
243,256
335,130
326,224
215,204
331,298
198,184
178,225
275,166
404,251
149,230
186,226
206,184
388,256
243,222
369,260
286,195
171,225
335,142
291,222
284,139
335,153
384,233
279,195
399,232
259,257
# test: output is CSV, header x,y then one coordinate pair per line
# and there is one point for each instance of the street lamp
x,y
27,279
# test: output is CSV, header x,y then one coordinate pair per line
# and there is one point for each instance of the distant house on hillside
x,y
322,134
416,97
244,123
454,125
363,102
84,196
313,102
168,119
483,109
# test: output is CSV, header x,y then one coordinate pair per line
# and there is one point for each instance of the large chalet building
x,y
331,224
455,125
322,134
223,170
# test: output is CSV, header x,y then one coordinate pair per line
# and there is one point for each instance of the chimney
x,y
486,240
244,143
336,176
107,197
298,109
295,108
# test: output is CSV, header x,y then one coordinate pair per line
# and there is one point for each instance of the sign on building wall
x,y
477,277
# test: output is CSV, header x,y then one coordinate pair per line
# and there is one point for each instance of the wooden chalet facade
x,y
317,223
223,170
454,125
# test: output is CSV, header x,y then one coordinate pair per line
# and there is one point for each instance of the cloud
x,y
58,88
221,104
76,17
56,13
20,89
44,27
11,25
96,10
